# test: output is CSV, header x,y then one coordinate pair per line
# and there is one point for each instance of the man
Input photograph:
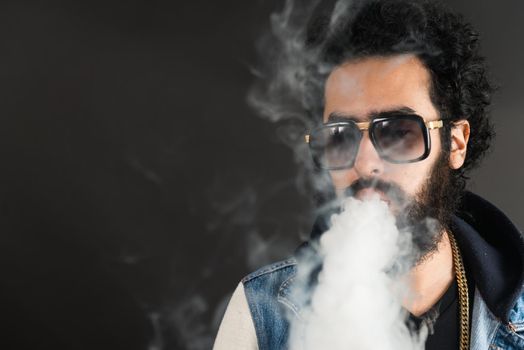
x,y
404,115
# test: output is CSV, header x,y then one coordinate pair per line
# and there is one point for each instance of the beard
x,y
428,214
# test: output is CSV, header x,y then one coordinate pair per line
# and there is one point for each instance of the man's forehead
x,y
366,87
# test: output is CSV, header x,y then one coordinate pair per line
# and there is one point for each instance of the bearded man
x,y
404,117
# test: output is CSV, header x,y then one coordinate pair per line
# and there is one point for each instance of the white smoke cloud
x,y
357,303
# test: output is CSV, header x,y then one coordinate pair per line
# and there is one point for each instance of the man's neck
x,y
431,278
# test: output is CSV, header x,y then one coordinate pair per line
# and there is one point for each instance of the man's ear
x,y
459,143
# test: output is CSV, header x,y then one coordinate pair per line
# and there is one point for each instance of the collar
x,y
493,252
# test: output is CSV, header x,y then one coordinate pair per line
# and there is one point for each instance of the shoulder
x,y
283,268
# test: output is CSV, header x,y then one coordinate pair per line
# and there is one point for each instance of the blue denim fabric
x,y
510,336
265,291
268,292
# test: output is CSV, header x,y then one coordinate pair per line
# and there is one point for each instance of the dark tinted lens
x,y
335,146
400,139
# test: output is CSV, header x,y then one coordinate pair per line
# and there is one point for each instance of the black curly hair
x,y
446,44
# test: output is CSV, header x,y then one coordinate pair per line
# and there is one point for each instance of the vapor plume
x,y
357,303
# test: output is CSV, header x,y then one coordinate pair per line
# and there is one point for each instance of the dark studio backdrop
x,y
137,187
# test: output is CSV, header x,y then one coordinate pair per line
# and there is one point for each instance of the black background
x,y
137,187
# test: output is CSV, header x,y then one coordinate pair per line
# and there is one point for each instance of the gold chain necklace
x,y
462,283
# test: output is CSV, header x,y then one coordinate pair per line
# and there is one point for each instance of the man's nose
x,y
368,162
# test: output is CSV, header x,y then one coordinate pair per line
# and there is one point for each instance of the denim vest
x,y
268,292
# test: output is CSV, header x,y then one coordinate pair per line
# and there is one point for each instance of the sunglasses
x,y
400,138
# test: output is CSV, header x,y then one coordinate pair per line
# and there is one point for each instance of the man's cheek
x,y
341,180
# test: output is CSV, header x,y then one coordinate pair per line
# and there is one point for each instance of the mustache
x,y
390,189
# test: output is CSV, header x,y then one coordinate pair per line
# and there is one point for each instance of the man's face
x,y
358,89
377,84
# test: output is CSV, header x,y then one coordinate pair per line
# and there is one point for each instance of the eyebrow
x,y
342,117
